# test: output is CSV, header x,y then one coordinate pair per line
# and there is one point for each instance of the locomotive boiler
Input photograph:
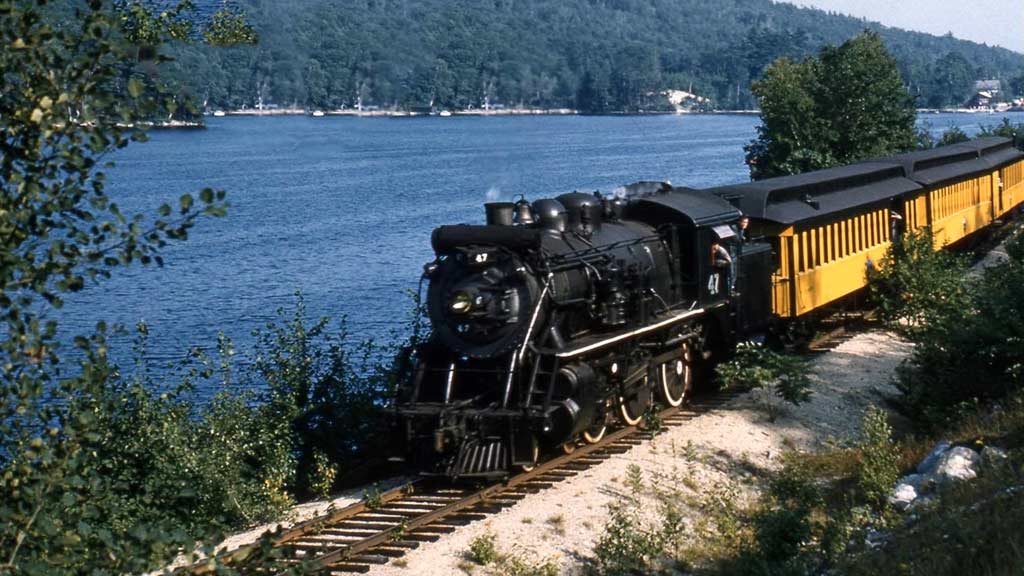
x,y
560,317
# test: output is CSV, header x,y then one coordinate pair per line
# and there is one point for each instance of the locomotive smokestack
x,y
499,213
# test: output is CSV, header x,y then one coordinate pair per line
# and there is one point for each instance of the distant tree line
x,y
594,55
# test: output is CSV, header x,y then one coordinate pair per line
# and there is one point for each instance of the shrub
x,y
322,474
630,543
969,348
916,287
776,375
785,524
516,566
483,549
953,135
879,458
331,391
1006,130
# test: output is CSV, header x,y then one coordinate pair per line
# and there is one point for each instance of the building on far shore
x,y
986,95
684,101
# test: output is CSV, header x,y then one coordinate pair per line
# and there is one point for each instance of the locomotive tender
x,y
561,317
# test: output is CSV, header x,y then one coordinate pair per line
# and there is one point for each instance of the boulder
x,y
992,456
910,489
903,495
927,466
957,464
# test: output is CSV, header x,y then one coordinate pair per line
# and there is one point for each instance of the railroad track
x,y
839,328
387,525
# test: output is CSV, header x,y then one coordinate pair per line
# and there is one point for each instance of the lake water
x,y
342,208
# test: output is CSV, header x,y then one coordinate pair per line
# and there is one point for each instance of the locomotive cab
x,y
696,223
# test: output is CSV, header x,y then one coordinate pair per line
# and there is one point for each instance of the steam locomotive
x,y
558,317
564,316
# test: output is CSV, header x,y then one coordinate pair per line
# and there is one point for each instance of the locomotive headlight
x,y
461,303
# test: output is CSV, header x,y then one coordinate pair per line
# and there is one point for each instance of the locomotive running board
x,y
626,335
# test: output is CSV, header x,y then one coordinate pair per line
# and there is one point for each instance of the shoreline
x,y
351,113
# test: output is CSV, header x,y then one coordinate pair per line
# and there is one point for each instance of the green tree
x,y
847,104
1017,86
1005,129
593,96
952,79
81,84
790,135
953,135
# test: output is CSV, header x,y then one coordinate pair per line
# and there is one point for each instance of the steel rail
x,y
310,526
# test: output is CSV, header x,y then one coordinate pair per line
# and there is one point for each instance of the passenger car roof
x,y
939,165
995,151
818,194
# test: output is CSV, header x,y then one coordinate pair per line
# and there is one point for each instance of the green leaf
x,y
186,202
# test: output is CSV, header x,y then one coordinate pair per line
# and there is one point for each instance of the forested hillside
x,y
597,55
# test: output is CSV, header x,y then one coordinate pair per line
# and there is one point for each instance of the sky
x,y
998,22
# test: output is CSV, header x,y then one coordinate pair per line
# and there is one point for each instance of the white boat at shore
x,y
318,113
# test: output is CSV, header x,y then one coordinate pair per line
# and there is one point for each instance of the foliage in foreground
x,y
634,543
974,527
968,332
916,287
100,473
484,552
821,513
776,375
847,104
815,516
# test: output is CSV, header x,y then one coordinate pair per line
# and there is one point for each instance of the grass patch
x,y
557,523
483,550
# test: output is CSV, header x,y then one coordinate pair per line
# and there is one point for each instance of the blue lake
x,y
342,208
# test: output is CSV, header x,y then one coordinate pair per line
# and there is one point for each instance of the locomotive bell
x,y
524,214
551,214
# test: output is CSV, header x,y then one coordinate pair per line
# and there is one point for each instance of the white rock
x,y
957,464
903,495
927,466
911,488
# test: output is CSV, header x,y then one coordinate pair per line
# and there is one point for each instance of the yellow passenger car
x,y
1006,164
827,228
959,191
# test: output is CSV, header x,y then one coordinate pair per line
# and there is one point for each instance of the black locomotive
x,y
559,317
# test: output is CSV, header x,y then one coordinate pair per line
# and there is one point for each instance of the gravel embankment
x,y
724,447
